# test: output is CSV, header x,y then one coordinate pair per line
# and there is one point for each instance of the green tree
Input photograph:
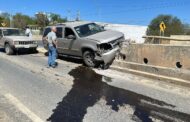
x,y
62,20
56,18
5,15
187,29
174,26
5,18
21,21
1,20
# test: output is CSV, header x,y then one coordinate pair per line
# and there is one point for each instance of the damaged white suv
x,y
87,40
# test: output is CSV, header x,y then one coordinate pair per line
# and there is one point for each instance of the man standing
x,y
51,38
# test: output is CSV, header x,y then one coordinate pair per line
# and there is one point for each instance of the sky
x,y
133,12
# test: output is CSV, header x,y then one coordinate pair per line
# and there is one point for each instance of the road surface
x,y
29,91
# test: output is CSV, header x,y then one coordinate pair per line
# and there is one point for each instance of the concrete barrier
x,y
160,60
159,55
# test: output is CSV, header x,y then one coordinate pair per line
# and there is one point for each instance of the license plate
x,y
27,46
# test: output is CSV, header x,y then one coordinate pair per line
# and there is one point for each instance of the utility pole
x,y
78,16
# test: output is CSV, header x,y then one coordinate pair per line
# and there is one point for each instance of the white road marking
x,y
23,108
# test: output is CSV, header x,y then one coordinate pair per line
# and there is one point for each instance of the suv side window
x,y
68,31
47,30
59,32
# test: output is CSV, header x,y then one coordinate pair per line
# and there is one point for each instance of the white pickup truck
x,y
13,39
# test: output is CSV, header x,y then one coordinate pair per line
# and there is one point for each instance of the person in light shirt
x,y
51,38
28,32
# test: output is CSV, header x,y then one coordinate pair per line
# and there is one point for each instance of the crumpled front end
x,y
108,51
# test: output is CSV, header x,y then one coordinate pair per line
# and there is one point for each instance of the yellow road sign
x,y
162,26
3,24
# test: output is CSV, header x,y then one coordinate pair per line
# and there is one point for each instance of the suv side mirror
x,y
71,37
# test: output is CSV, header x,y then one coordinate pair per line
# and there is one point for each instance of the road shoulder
x,y
9,113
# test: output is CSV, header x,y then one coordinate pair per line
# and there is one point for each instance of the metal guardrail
x,y
165,38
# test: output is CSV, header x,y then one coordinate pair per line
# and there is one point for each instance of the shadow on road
x,y
21,51
88,88
25,52
69,59
2,50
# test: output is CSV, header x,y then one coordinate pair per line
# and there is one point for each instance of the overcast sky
x,y
137,12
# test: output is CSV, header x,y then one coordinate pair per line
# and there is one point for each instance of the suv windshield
x,y
88,29
12,32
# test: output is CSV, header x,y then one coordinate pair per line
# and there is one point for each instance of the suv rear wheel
x,y
88,58
8,49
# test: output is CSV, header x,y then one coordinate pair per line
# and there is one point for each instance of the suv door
x,y
67,45
60,42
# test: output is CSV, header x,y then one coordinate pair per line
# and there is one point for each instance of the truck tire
x,y
88,58
8,49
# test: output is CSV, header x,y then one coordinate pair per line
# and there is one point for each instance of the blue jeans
x,y
52,56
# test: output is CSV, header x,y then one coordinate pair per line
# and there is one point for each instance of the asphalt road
x,y
73,93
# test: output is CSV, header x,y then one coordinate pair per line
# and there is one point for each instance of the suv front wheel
x,y
8,49
88,58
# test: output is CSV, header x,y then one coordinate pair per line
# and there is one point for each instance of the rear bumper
x,y
108,57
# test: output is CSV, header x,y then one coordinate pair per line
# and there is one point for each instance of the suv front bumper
x,y
109,56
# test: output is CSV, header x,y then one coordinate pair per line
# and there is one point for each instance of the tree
x,y
187,29
174,26
4,18
62,20
56,18
21,21
1,20
42,20
5,15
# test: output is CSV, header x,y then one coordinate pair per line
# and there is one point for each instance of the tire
x,y
8,49
88,58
